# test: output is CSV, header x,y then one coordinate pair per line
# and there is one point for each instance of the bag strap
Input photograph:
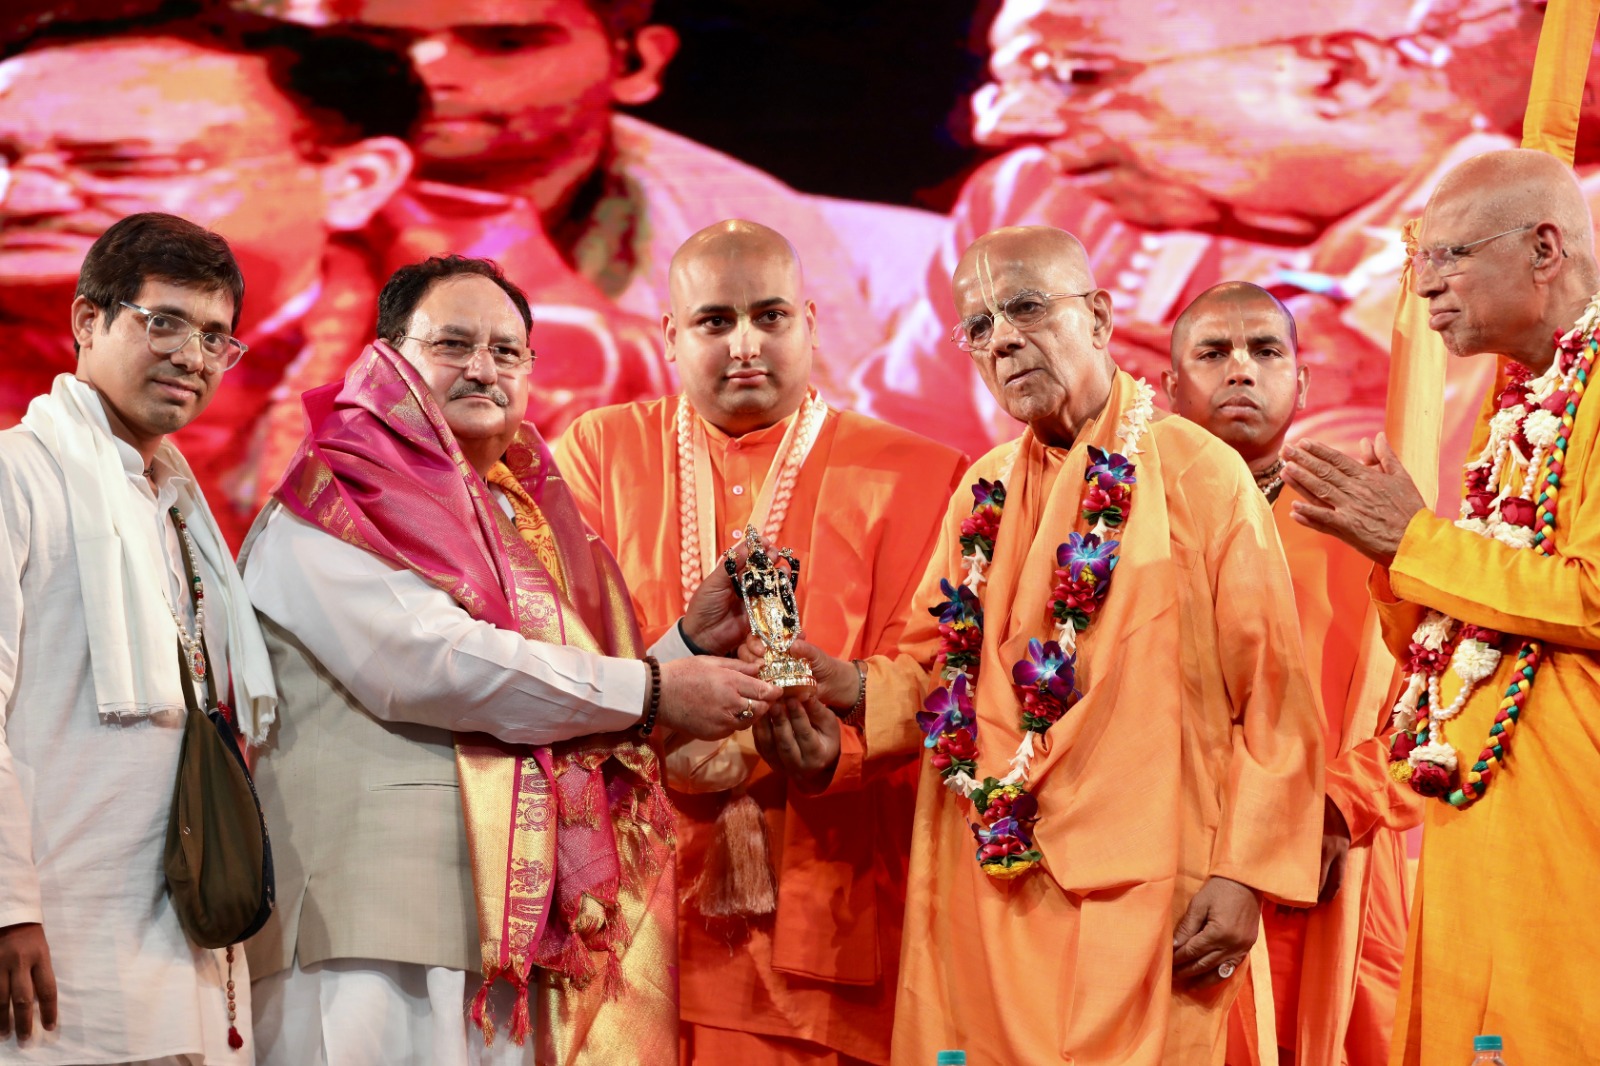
x,y
190,571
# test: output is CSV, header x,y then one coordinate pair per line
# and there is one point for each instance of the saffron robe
x,y
1195,752
1502,931
862,519
1336,968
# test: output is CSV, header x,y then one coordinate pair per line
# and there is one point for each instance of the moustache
x,y
463,388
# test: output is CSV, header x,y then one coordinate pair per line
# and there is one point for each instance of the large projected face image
x,y
1186,143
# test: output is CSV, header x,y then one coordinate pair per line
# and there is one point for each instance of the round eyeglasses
x,y
167,333
1023,310
459,354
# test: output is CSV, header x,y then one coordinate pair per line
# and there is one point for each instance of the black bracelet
x,y
648,726
694,649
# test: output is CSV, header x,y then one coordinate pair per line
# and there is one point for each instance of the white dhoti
x,y
361,1012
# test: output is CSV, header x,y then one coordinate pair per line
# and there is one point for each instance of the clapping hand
x,y
1366,502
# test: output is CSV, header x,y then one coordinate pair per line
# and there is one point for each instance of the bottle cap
x,y
951,1058
1487,1043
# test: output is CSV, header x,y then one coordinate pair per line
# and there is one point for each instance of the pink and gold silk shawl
x,y
570,844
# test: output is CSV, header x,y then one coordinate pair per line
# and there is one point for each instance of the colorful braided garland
x,y
1419,754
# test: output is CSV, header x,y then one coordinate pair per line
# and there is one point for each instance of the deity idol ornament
x,y
767,586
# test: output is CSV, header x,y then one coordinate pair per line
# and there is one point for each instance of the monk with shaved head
x,y
1102,666
1495,618
1335,967
790,918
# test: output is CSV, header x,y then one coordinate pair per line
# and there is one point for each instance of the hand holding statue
x,y
709,698
715,621
800,739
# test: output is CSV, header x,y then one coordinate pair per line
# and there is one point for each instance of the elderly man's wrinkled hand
x,y
1367,502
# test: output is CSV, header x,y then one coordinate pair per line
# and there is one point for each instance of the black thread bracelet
x,y
648,726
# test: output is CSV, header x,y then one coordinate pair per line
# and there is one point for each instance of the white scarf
x,y
121,566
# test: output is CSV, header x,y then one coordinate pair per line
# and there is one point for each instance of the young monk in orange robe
x,y
1336,967
1501,940
806,972
1123,885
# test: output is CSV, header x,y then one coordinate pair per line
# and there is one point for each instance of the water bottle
x,y
1486,1050
951,1058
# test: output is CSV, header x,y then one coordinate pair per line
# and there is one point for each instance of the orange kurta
x,y
1195,752
1503,936
1336,968
862,520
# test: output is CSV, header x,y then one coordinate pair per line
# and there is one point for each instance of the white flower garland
x,y
1510,474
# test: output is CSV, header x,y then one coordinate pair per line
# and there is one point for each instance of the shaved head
x,y
1054,369
1052,257
1228,296
1235,370
1510,245
1520,186
731,239
740,329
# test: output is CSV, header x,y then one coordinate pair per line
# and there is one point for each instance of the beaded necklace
x,y
194,652
1525,454
1270,481
697,558
1045,678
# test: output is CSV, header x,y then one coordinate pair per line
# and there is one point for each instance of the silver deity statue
x,y
767,587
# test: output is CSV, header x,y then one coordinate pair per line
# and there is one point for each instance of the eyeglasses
x,y
168,334
457,353
1023,310
119,175
1446,261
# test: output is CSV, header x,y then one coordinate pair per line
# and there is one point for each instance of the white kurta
x,y
84,803
408,652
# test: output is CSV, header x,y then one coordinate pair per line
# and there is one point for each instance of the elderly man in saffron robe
x,y
461,781
802,965
1336,967
1103,663
1496,621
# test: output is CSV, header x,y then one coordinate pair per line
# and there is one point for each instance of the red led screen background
x,y
579,143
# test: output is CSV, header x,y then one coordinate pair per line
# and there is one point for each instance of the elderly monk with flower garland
x,y
1496,620
1336,967
462,781
789,936
1124,751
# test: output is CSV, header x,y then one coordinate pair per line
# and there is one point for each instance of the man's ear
x,y
358,179
1355,72
1303,386
642,59
84,316
1169,384
669,337
1549,249
1100,308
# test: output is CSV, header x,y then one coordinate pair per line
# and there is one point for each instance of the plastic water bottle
x,y
1486,1050
951,1058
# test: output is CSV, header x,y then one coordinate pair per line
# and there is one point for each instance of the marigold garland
x,y
1533,422
1046,678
